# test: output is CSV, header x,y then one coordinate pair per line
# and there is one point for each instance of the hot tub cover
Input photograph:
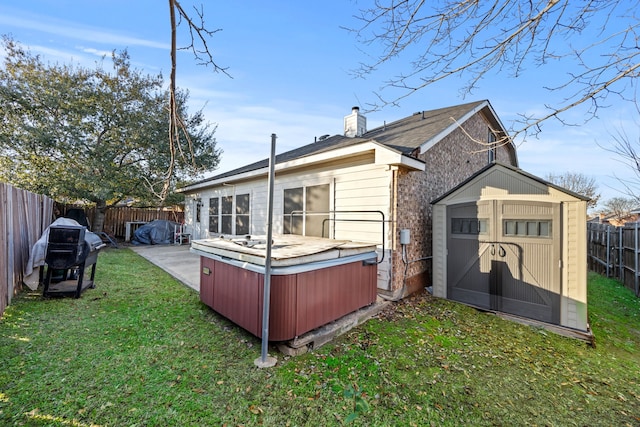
x,y
286,250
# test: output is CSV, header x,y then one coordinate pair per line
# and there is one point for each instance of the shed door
x,y
504,256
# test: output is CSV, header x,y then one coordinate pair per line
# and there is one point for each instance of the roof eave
x,y
224,180
456,123
386,156
383,155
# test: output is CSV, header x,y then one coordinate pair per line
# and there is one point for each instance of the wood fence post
x,y
11,246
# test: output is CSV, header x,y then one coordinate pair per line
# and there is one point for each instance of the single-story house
x,y
373,186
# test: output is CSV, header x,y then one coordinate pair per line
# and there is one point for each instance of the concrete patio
x,y
175,260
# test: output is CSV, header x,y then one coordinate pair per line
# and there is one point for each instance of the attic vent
x,y
323,137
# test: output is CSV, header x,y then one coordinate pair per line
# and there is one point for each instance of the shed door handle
x,y
502,252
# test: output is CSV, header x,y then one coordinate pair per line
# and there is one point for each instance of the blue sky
x,y
291,66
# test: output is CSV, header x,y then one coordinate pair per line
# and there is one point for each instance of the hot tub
x,y
314,281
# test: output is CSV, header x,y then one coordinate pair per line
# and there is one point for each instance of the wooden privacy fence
x,y
615,252
23,218
116,218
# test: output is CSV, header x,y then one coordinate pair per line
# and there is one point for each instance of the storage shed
x,y
507,241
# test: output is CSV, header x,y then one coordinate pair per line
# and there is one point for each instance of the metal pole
x,y
265,361
608,250
621,270
635,259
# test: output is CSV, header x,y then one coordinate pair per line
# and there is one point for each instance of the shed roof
x,y
516,170
404,136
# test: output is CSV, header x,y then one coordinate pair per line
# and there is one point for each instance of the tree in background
x,y
620,206
579,184
627,151
596,42
74,133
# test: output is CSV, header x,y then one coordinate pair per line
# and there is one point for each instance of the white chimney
x,y
355,124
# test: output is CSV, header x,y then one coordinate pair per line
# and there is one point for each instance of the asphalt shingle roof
x,y
404,135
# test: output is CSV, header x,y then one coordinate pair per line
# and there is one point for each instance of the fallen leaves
x,y
256,410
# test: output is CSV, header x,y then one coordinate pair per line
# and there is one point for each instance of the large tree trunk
x,y
97,224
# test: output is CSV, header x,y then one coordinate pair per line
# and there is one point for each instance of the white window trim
x,y
304,186
233,214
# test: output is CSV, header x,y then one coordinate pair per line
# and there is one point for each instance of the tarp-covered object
x,y
157,232
39,251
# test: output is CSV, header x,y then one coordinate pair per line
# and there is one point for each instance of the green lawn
x,y
141,350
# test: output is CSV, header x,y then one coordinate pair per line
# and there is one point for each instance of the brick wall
x,y
448,163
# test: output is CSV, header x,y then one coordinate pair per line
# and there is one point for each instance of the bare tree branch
x,y
471,39
199,35
627,152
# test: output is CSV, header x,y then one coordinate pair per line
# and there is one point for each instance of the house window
x,y
242,214
230,214
226,215
306,211
293,207
214,212
471,226
492,148
527,228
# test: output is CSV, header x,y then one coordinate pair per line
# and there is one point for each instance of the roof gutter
x,y
226,180
383,155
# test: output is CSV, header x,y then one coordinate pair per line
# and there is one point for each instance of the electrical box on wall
x,y
405,237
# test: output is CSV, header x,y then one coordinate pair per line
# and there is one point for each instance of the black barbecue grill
x,y
70,252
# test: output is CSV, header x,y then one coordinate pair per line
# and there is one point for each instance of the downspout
x,y
395,296
394,221
335,195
